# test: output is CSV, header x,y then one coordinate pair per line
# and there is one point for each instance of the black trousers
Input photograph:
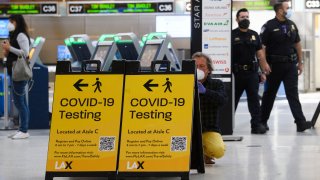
x,y
288,74
249,82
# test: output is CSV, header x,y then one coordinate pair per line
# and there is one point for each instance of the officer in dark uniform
x,y
281,41
246,47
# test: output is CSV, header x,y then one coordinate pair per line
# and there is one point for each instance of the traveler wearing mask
x,y
18,45
212,98
247,55
281,41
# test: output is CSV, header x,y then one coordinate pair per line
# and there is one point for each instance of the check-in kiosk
x,y
158,46
38,97
105,51
172,54
128,45
149,53
4,97
35,49
80,47
72,53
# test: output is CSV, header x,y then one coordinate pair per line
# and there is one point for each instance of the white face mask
x,y
10,27
200,74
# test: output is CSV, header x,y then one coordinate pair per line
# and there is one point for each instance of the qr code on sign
x,y
107,143
178,143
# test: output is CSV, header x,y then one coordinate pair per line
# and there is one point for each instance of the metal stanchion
x,y
6,95
6,119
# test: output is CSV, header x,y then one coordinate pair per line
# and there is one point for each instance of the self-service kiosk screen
x,y
127,50
63,53
149,54
101,53
72,53
82,51
4,33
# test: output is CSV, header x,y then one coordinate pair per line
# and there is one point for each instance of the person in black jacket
x,y
212,97
18,45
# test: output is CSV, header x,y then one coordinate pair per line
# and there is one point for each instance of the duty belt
x,y
243,67
281,59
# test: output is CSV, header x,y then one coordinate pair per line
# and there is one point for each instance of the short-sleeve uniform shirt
x,y
244,46
279,37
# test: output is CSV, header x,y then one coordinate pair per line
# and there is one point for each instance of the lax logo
x,y
63,165
135,165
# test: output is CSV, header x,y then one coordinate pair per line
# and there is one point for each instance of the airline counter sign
x,y
156,124
85,123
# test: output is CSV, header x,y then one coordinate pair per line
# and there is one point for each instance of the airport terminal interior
x,y
76,41
282,153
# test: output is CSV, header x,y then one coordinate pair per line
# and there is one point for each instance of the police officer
x,y
281,41
246,52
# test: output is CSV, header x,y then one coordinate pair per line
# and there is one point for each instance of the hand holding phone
x,y
5,45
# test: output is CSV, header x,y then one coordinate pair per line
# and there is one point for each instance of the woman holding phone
x,y
18,45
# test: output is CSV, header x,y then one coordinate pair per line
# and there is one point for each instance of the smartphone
x,y
4,41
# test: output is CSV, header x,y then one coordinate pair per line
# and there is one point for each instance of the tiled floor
x,y
280,154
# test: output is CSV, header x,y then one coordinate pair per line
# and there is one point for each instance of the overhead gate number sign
x,y
312,4
85,123
156,123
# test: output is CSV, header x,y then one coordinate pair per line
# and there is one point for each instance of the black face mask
x,y
244,24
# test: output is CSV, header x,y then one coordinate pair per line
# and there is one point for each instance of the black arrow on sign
x,y
148,84
77,85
